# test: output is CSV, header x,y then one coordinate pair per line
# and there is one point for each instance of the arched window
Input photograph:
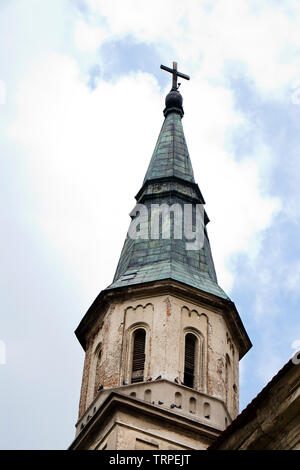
x,y
147,396
206,410
138,355
98,351
97,367
178,399
230,387
228,383
193,403
189,360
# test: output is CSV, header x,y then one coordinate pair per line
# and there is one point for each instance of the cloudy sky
x,y
81,100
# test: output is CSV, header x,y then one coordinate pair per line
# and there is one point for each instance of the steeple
x,y
169,180
163,342
171,157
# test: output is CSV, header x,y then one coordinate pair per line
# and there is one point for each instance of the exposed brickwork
x,y
168,306
85,380
167,319
99,372
88,360
209,335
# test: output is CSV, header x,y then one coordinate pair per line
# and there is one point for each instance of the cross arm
x,y
179,74
182,75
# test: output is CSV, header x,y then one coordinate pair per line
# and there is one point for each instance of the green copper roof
x,y
171,156
145,261
169,180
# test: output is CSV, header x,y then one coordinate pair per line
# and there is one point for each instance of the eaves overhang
x,y
168,179
164,287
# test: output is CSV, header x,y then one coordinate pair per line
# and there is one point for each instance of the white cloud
x,y
86,154
263,37
66,129
149,21
87,150
2,92
88,37
238,208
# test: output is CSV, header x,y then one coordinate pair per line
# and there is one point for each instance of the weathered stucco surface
x,y
166,320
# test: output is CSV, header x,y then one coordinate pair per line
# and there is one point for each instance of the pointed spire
x,y
171,156
169,180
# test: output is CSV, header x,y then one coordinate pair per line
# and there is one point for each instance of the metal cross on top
x,y
175,74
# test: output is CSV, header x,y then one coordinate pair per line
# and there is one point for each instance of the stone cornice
x,y
117,401
164,287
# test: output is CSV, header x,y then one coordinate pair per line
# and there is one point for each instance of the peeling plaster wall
x,y
166,319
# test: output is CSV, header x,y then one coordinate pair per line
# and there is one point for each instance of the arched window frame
x,y
190,361
96,362
229,382
200,371
98,351
141,356
129,350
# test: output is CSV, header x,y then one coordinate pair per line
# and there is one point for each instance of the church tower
x,y
163,342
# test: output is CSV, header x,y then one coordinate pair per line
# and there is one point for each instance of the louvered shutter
x,y
189,360
138,360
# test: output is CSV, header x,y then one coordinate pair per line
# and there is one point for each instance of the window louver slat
x,y
138,360
189,360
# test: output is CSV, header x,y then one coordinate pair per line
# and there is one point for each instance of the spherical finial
x,y
174,99
174,102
